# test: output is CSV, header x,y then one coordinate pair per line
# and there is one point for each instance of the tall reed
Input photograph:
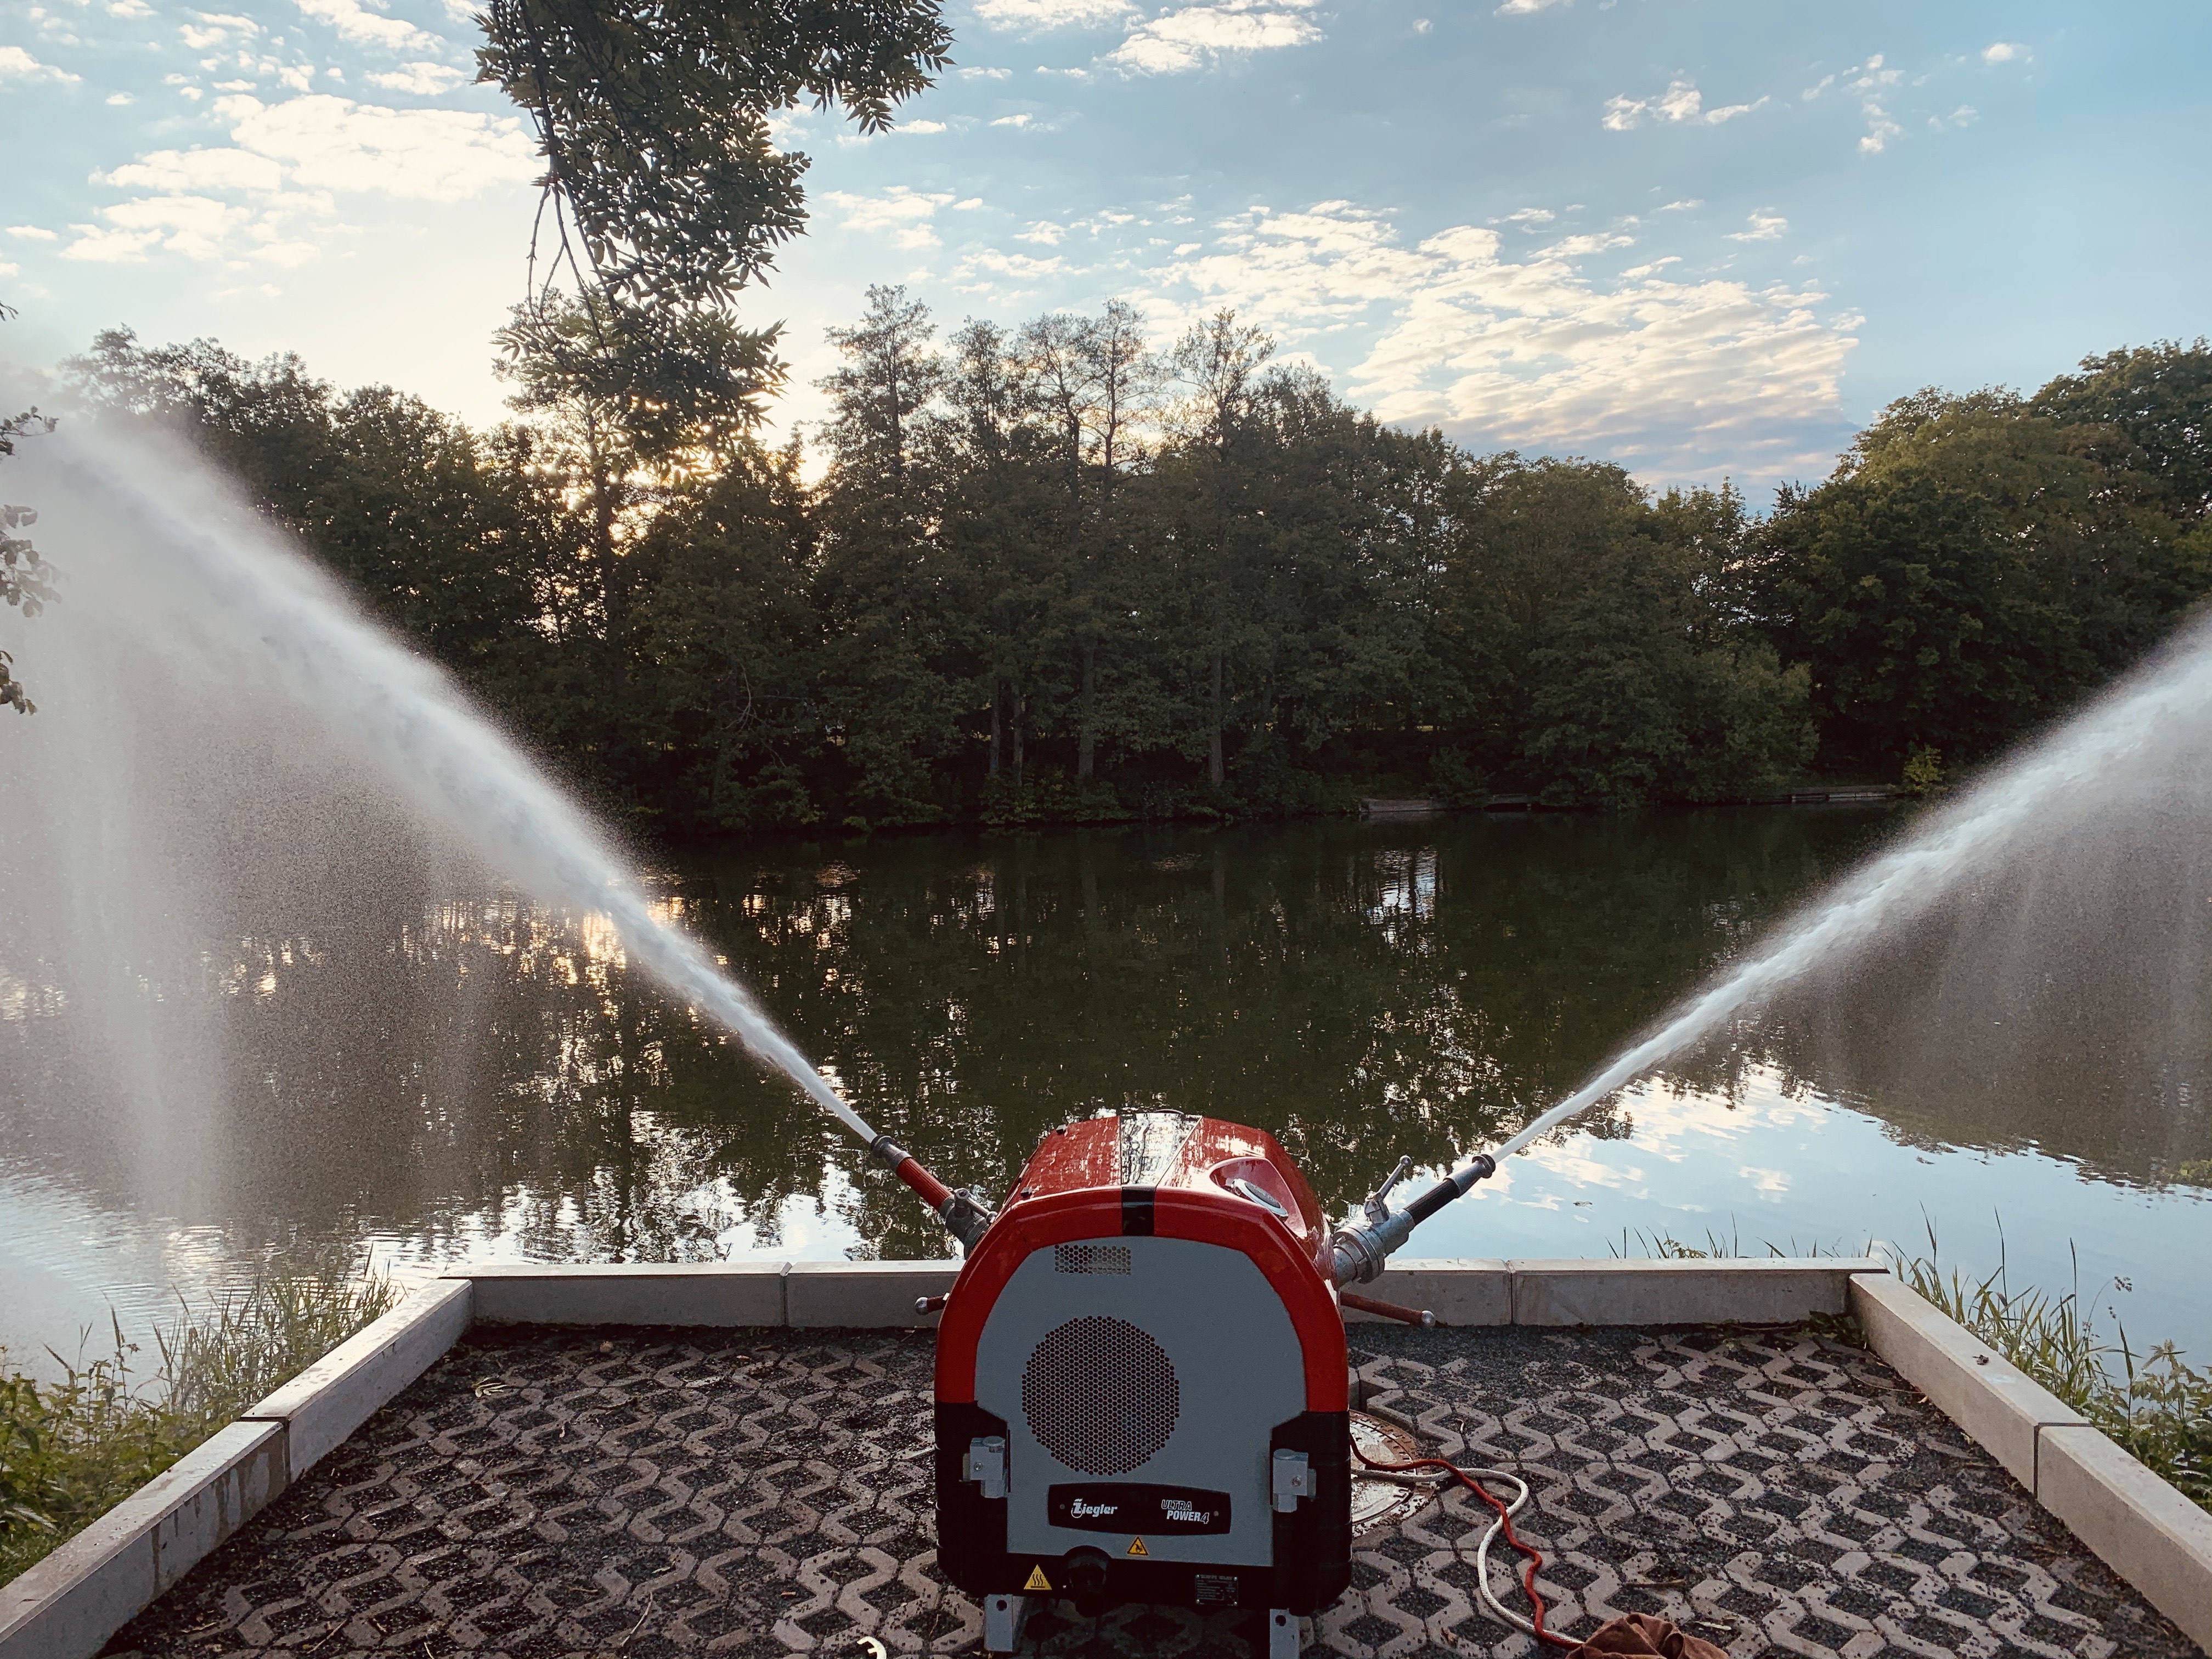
x,y
72,1450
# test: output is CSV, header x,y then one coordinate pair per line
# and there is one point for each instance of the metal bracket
x,y
1377,1203
1002,1622
986,1465
1293,1479
1282,1634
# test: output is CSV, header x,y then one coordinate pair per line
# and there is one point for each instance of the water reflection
x,y
391,1052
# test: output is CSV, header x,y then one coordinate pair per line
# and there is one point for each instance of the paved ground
x,y
754,1493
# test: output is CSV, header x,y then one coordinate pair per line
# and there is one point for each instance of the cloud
x,y
328,143
1193,37
425,80
1035,15
1683,206
1689,375
1043,232
1963,116
17,65
171,171
119,98
1529,217
100,245
1575,247
1523,7
1681,103
1879,131
991,74
899,213
1020,265
198,226
922,127
1764,228
215,29
2004,52
1021,120
355,22
33,233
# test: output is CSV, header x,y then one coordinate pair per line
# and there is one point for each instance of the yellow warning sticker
x,y
1038,1580
1137,1547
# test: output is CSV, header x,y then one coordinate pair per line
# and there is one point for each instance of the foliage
x,y
27,580
1048,573
1974,566
654,117
1924,772
70,1450
2156,1405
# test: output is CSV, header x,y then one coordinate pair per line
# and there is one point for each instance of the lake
x,y
432,1068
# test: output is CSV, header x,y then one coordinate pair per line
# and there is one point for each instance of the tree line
x,y
1049,573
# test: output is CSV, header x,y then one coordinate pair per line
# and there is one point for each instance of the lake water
x,y
437,1069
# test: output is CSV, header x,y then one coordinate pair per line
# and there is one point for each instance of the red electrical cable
x,y
1505,1520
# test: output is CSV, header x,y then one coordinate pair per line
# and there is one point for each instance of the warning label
x,y
1037,1580
1137,1547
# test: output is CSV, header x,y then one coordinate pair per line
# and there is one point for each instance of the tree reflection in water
x,y
427,1058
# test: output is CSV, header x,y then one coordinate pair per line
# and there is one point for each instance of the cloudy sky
x,y
1701,237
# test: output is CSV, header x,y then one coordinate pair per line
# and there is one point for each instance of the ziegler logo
x,y
1137,1507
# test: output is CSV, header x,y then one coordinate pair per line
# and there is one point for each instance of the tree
x,y
2153,405
26,580
653,117
1973,566
1221,362
888,699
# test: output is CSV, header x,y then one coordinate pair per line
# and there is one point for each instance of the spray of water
x,y
159,553
2127,736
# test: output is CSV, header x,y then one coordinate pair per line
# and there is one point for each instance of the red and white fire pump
x,y
1141,1376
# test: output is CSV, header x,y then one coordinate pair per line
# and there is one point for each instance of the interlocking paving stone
x,y
770,1492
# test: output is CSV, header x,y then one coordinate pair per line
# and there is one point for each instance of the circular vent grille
x,y
1101,1395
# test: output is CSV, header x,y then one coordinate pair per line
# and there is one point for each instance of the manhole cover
x,y
1382,1501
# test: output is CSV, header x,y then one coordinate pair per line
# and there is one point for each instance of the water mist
x,y
186,613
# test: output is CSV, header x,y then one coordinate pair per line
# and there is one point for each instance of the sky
x,y
1704,239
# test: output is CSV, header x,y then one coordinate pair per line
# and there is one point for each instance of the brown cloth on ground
x,y
1640,1636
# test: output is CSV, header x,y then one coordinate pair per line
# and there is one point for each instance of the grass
x,y
2153,1403
72,1450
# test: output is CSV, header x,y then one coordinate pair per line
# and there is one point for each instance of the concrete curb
x,y
1996,1403
720,1293
1694,1291
348,1385
69,1605
862,1295
880,1295
2140,1525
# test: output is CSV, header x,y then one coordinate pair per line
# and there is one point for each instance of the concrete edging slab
x,y
2141,1526
345,1387
67,1606
1696,1290
1995,1402
862,1295
718,1293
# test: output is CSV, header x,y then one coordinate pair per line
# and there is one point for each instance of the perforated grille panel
x,y
1091,1258
1101,1395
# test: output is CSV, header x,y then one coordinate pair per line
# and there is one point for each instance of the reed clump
x,y
72,1450
2153,1403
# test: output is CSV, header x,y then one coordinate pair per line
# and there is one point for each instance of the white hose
x,y
1490,1601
